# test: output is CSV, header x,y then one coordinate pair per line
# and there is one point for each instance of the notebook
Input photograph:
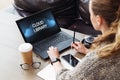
x,y
42,31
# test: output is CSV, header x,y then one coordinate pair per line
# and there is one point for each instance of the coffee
x,y
26,52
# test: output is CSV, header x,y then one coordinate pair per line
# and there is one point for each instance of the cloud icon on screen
x,y
29,32
51,23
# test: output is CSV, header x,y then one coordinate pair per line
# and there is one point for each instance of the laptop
x,y
42,31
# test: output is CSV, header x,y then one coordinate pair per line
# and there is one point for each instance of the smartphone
x,y
70,59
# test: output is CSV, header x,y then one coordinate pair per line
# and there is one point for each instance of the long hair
x,y
110,11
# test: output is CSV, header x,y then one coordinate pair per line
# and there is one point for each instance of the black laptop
x,y
42,31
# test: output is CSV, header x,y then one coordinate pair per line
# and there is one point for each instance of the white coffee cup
x,y
26,52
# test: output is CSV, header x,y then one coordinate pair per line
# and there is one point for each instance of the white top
x,y
25,47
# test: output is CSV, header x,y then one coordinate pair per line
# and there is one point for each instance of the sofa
x,y
68,13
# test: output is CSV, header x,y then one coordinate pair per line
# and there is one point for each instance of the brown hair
x,y
110,11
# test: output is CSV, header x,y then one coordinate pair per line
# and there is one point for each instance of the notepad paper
x,y
48,73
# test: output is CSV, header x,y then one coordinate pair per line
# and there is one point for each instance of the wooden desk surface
x,y
10,39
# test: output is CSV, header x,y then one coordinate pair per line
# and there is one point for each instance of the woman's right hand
x,y
79,47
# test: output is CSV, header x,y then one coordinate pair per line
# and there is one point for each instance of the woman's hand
x,y
79,47
53,52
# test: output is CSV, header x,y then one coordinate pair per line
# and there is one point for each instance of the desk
x,y
10,39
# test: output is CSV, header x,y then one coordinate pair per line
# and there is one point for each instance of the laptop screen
x,y
38,26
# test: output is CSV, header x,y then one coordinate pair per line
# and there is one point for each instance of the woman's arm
x,y
53,53
84,70
64,74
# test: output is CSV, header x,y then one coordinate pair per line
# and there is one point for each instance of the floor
x,y
5,3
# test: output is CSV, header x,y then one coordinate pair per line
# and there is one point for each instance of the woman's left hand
x,y
79,47
53,52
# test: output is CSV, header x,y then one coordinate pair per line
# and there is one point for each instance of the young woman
x,y
102,61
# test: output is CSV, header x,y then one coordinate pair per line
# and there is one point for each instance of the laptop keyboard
x,y
52,41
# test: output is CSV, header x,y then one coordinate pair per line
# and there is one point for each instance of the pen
x,y
70,60
74,34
